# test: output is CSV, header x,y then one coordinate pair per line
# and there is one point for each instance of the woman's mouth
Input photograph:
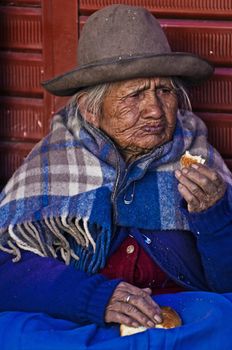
x,y
153,129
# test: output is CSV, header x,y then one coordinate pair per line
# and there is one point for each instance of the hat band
x,y
126,58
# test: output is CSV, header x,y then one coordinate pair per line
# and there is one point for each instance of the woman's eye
x,y
164,91
135,94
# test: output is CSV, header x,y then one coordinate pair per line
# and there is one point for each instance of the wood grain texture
x,y
22,119
11,157
20,28
174,8
21,73
219,131
215,94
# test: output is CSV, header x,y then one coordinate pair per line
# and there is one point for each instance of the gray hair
x,y
184,102
95,96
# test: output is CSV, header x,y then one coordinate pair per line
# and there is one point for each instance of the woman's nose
x,y
153,107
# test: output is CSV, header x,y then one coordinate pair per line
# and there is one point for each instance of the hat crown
x,y
120,31
122,42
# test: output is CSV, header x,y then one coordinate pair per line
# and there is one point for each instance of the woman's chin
x,y
152,142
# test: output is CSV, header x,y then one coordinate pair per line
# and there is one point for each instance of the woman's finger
x,y
200,186
195,181
142,296
193,203
134,313
124,289
208,172
200,179
192,186
118,317
136,304
147,290
145,310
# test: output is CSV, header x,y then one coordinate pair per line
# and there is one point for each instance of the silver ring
x,y
128,298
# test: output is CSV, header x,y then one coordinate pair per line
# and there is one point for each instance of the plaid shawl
x,y
58,203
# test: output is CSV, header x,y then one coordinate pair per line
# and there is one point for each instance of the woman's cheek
x,y
129,115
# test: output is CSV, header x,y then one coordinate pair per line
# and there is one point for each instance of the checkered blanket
x,y
58,203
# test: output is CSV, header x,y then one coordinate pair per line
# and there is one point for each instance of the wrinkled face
x,y
139,114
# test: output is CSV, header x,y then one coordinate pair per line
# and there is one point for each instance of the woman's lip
x,y
153,128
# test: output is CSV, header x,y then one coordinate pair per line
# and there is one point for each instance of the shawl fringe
x,y
51,238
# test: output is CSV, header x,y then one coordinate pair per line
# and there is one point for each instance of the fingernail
x,y
177,173
135,324
158,319
185,171
195,166
150,324
148,290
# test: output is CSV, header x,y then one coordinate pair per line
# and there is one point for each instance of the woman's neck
x,y
131,154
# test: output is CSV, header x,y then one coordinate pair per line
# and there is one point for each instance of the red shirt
x,y
131,263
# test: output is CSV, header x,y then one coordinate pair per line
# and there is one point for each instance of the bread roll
x,y
187,159
126,330
171,319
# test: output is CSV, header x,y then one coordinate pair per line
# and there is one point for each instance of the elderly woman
x,y
104,192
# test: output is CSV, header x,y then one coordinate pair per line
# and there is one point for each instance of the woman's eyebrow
x,y
138,88
163,84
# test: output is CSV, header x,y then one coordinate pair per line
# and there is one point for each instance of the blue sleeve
x,y
213,230
37,284
206,317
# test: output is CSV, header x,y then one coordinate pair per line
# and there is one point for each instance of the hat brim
x,y
190,68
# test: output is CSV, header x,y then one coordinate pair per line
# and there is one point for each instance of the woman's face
x,y
139,114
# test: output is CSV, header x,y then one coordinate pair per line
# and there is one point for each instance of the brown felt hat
x,y
121,42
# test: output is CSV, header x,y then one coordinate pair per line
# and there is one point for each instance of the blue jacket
x,y
50,305
199,260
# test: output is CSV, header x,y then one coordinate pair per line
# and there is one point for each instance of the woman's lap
x,y
207,319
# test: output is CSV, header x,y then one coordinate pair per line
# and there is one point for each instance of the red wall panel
x,y
210,39
21,73
220,131
38,39
11,156
20,28
172,8
21,119
215,94
22,3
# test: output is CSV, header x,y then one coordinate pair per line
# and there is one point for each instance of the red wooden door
x,y
38,40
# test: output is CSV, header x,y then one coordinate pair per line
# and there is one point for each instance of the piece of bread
x,y
187,159
171,319
126,330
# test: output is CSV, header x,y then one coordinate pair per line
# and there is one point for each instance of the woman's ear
x,y
86,114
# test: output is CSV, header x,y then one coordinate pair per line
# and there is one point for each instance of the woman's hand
x,y
200,186
133,307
